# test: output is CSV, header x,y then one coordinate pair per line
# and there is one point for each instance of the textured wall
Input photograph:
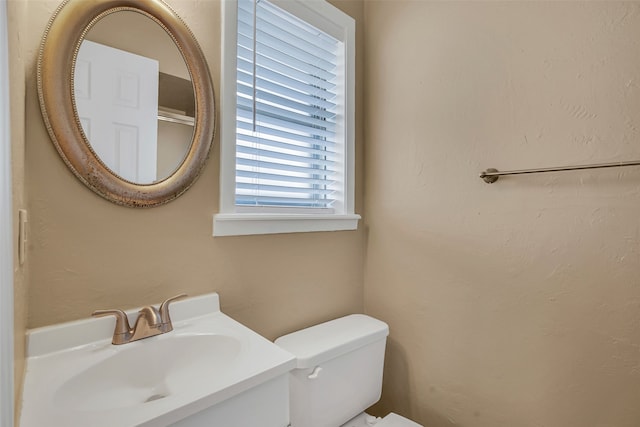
x,y
514,304
86,253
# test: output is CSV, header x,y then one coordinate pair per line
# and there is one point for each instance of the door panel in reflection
x,y
117,103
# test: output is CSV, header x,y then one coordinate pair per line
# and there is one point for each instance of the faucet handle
x,y
122,322
164,310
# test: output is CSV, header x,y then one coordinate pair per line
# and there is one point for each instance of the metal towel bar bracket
x,y
491,175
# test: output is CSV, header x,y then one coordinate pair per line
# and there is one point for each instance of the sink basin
x,y
147,371
208,364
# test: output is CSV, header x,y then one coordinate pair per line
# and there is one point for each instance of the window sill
x,y
242,224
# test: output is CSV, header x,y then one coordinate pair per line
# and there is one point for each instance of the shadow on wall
x,y
396,356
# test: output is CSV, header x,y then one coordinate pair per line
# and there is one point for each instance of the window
x,y
287,154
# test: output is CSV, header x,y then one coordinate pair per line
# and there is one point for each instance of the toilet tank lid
x,y
323,342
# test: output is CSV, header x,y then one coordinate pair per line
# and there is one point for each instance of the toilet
x,y
338,373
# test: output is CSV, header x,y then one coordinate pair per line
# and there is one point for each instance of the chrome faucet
x,y
150,322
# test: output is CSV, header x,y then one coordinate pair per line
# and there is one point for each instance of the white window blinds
x,y
287,150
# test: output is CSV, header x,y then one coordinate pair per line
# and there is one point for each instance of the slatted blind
x,y
287,152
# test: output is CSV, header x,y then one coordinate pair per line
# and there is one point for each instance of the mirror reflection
x,y
134,97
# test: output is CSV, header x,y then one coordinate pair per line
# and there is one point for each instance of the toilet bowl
x,y
338,373
395,420
391,420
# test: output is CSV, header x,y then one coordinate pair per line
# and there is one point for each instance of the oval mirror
x,y
127,98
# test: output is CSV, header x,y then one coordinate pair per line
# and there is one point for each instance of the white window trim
x,y
232,221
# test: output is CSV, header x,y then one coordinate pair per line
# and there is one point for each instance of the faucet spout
x,y
148,323
150,315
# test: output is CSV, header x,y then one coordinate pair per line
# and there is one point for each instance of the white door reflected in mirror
x,y
116,95
134,97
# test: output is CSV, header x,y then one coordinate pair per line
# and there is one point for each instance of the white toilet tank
x,y
339,370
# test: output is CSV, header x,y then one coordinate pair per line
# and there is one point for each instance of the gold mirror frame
x,y
56,64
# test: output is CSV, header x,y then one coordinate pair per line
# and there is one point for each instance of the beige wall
x,y
86,253
17,32
514,304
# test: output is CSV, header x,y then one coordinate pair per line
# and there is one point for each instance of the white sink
x,y
76,377
146,371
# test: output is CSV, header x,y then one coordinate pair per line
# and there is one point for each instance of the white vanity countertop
x,y
73,377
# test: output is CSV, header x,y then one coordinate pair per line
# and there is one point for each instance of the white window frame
x,y
235,220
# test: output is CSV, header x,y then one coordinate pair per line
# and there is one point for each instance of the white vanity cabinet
x,y
266,405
